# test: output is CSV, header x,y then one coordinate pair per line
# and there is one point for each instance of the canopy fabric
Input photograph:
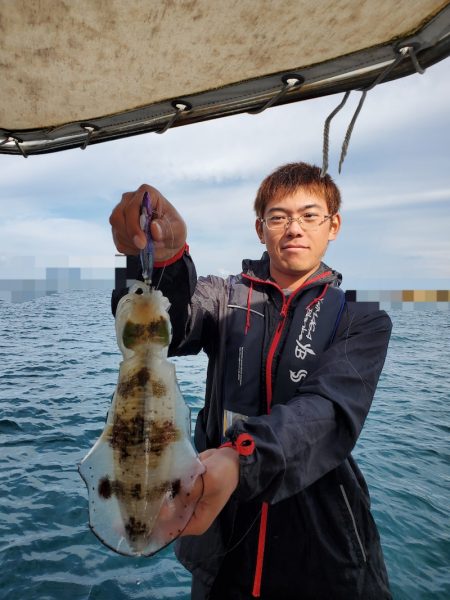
x,y
85,71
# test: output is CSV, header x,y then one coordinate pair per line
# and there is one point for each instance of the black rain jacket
x,y
297,374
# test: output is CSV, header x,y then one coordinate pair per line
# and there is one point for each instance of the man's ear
x,y
260,231
335,226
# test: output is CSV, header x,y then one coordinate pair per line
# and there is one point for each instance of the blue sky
x,y
395,186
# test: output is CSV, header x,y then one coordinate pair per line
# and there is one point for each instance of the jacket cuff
x,y
173,259
244,444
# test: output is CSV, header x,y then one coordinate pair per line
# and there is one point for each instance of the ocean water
x,y
58,370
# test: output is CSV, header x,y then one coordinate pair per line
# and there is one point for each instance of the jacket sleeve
x,y
177,282
196,305
314,432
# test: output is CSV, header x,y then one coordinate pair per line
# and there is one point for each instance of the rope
x,y
179,107
90,130
326,134
289,82
350,130
413,57
405,51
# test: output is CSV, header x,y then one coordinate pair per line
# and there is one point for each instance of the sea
x,y
58,370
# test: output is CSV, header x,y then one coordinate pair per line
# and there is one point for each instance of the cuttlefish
x,y
141,472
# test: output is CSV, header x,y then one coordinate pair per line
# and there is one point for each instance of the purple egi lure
x,y
147,257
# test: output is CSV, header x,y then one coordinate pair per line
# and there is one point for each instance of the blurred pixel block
x,y
62,278
401,299
120,278
367,297
426,296
124,276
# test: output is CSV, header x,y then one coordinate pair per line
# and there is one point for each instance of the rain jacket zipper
x,y
256,591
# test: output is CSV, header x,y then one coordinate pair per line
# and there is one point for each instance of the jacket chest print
x,y
303,348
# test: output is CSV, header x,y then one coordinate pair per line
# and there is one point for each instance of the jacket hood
x,y
261,270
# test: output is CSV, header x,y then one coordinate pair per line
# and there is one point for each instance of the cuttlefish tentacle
x,y
141,472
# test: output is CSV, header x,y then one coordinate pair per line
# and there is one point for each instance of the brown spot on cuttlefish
x,y
137,380
136,529
162,434
158,388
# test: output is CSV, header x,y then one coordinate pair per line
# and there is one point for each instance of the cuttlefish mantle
x,y
141,472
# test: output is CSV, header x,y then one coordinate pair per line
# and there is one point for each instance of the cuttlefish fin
x,y
139,518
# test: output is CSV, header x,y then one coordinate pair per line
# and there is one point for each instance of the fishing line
x,y
242,537
239,541
172,241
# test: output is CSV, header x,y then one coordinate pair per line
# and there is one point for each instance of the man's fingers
x,y
140,240
123,244
126,232
157,231
167,228
132,209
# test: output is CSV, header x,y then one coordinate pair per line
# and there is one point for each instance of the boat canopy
x,y
82,72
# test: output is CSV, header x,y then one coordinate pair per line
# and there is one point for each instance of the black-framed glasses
x,y
308,221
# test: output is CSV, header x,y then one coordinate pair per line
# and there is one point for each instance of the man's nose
x,y
294,227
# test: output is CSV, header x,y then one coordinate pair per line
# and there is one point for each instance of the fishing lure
x,y
141,472
146,254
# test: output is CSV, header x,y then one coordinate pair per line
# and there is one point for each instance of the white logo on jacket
x,y
301,350
298,376
308,328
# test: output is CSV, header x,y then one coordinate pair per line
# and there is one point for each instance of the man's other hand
x,y
219,482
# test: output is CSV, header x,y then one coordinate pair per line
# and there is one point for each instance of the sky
x,y
395,185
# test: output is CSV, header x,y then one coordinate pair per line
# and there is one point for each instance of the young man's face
x,y
295,254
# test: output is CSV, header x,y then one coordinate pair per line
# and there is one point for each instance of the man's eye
x,y
310,216
277,219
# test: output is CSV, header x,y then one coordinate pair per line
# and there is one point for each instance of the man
x,y
292,372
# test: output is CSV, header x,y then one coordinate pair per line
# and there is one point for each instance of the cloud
x,y
58,204
55,237
406,246
366,199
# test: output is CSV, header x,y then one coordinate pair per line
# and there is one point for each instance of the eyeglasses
x,y
308,221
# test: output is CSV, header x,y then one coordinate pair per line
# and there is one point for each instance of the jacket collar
x,y
260,269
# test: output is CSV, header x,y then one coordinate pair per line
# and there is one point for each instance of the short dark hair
x,y
289,178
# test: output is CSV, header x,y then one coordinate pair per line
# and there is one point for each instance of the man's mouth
x,y
294,247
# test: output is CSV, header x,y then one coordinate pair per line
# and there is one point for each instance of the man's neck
x,y
292,282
